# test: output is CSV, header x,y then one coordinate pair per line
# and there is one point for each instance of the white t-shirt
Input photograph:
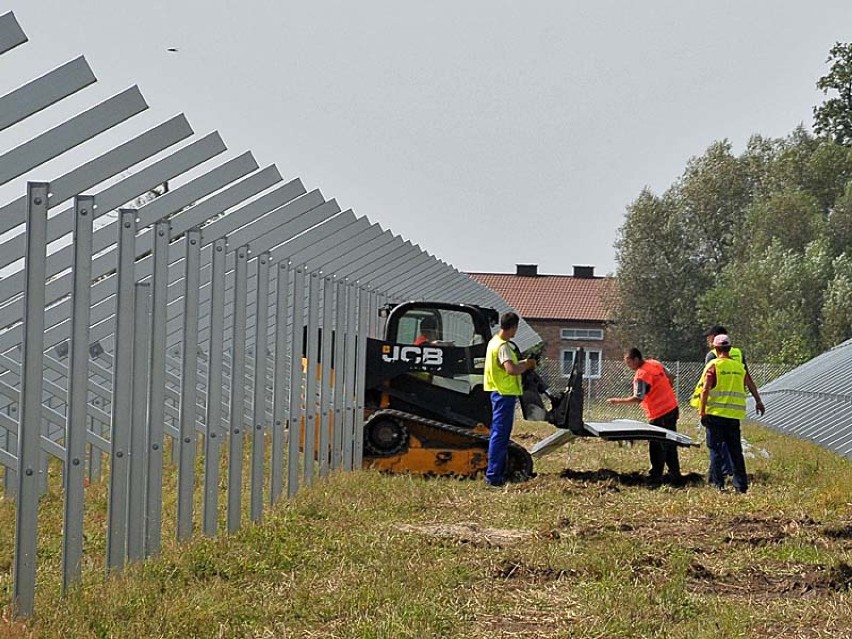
x,y
504,354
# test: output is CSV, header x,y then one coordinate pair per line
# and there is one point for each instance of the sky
x,y
489,132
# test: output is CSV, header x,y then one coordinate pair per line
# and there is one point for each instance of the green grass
x,y
370,555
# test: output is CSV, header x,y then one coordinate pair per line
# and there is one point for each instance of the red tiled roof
x,y
553,296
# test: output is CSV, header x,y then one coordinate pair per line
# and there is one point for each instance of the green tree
x,y
836,323
788,166
657,283
670,249
791,217
834,116
747,241
839,225
827,172
772,302
712,196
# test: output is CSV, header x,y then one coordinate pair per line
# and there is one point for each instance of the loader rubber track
x,y
440,435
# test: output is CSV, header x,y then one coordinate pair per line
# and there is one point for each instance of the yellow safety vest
x,y
736,355
496,377
728,397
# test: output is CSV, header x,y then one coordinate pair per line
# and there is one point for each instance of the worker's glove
x,y
531,364
759,407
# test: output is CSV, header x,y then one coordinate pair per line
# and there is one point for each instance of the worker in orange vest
x,y
653,390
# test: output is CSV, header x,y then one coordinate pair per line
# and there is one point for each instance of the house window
x,y
592,368
582,333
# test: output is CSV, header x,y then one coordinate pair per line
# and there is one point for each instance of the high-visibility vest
x,y
728,397
496,377
661,399
736,355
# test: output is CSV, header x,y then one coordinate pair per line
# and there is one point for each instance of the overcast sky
x,y
489,132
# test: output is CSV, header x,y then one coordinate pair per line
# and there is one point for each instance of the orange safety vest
x,y
661,398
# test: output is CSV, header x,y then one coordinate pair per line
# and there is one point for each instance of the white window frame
x,y
582,334
588,364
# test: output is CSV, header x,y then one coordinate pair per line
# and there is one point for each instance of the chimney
x,y
526,270
584,272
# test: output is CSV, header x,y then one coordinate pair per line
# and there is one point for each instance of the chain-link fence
x,y
611,378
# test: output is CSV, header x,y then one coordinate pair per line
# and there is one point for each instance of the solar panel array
x,y
814,401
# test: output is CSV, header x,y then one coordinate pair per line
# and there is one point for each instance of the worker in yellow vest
x,y
722,406
738,355
503,373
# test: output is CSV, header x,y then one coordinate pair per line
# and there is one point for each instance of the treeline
x,y
760,242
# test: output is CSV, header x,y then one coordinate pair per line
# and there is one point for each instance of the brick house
x,y
568,311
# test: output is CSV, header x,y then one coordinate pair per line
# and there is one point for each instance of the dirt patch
x,y
801,579
614,479
526,621
707,531
9,626
470,533
840,531
519,569
755,530
525,437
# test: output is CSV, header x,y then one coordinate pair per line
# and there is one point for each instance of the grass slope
x,y
583,550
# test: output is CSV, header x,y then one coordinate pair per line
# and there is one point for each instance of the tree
x,y
772,301
834,116
840,223
657,283
713,194
747,241
670,249
836,322
791,217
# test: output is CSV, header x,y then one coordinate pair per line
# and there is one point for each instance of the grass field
x,y
583,550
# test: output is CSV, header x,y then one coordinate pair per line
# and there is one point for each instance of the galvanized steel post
x,y
238,358
281,381
215,379
32,383
189,385
157,388
138,424
78,392
122,404
259,406
295,434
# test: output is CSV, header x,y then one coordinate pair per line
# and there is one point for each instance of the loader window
x,y
438,326
407,329
458,328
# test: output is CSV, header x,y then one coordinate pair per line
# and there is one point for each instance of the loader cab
x,y
456,335
441,324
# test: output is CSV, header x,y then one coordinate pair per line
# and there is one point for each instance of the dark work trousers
x,y
503,414
727,464
725,431
664,453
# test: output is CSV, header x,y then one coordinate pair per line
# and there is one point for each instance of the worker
x,y
652,389
721,407
428,331
737,355
503,372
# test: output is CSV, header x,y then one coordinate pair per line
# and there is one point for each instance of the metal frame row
x,y
227,307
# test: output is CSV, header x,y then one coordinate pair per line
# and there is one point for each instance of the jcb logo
x,y
426,355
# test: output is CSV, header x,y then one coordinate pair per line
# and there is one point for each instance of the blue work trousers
x,y
723,431
502,417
